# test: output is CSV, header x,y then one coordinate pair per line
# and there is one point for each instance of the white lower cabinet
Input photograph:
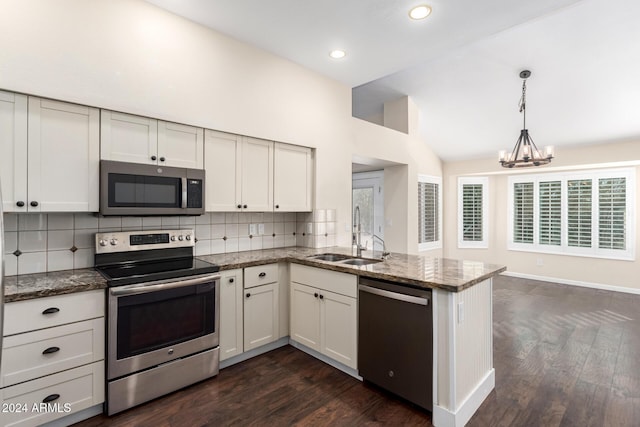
x,y
52,357
324,312
231,319
260,315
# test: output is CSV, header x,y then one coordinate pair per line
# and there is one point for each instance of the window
x,y
429,212
574,213
472,212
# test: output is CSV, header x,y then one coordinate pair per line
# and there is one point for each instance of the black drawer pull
x,y
245,206
248,294
315,295
19,203
321,296
51,350
231,280
51,310
51,398
34,203
262,274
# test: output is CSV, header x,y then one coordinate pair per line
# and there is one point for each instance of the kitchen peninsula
x,y
463,373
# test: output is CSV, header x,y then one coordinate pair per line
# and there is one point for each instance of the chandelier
x,y
525,153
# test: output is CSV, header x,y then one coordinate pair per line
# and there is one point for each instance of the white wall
x,y
128,55
568,268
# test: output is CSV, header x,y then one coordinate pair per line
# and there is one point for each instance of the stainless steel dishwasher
x,y
395,339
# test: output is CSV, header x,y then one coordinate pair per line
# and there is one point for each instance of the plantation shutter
x,y
523,212
612,203
472,212
428,212
550,205
579,213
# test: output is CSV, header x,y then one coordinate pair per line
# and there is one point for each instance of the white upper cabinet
x,y
292,178
13,151
239,173
135,139
55,168
222,164
257,175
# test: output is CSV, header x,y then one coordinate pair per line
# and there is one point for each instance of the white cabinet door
x,y
338,326
180,145
13,151
222,164
292,178
230,314
260,315
257,175
63,156
128,138
305,316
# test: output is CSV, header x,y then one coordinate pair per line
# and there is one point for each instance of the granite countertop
x,y
417,271
38,285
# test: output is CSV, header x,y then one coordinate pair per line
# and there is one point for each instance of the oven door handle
x,y
145,288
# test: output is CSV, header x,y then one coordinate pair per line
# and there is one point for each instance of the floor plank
x,y
564,356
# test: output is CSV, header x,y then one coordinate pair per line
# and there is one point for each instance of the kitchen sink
x,y
361,261
331,257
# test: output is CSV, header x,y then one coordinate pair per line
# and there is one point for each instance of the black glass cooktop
x,y
138,272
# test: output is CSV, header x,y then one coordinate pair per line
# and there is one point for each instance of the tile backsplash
x,y
36,243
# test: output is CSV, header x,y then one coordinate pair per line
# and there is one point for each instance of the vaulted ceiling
x,y
461,64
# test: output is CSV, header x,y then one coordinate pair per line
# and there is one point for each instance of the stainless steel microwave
x,y
144,190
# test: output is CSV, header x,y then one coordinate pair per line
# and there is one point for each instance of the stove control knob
x,y
114,242
180,238
188,237
103,242
173,238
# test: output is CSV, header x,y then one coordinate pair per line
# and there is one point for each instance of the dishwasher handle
x,y
394,295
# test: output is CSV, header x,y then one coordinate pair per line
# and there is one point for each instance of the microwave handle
x,y
184,193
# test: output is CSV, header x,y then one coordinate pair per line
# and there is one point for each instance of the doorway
x,y
368,196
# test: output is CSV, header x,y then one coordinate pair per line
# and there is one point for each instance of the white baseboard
x,y
573,282
253,353
443,417
325,359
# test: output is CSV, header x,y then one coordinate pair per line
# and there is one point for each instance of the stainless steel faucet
x,y
357,225
385,253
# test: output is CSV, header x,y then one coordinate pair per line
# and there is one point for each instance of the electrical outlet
x,y
253,229
261,229
461,312
309,228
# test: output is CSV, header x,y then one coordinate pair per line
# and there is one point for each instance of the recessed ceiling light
x,y
420,12
337,54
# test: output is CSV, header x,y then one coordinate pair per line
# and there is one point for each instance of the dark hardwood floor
x,y
564,356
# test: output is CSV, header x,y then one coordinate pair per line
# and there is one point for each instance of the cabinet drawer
x,y
39,353
23,316
260,275
78,389
340,283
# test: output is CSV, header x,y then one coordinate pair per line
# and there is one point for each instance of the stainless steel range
x,y
163,314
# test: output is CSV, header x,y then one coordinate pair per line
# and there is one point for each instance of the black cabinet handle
x,y
162,159
51,350
321,296
315,295
239,206
262,274
231,280
153,158
277,206
20,203
248,294
245,206
51,310
34,203
51,398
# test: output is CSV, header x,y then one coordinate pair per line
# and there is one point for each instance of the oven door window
x,y
154,320
140,191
